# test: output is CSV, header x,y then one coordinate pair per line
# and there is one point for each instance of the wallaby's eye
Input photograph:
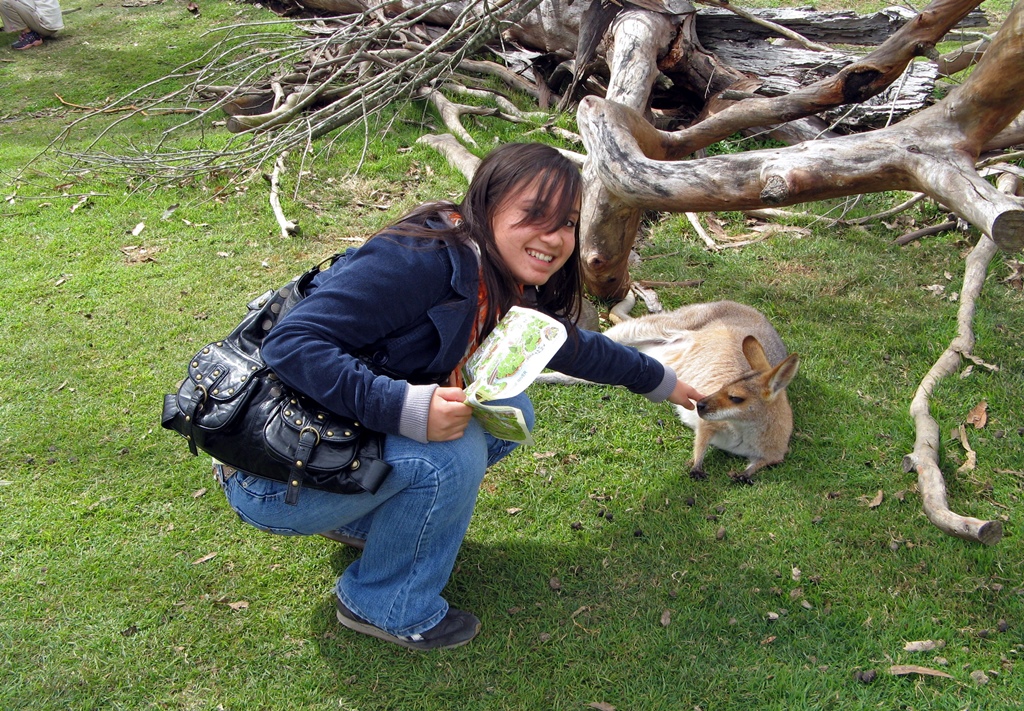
x,y
735,399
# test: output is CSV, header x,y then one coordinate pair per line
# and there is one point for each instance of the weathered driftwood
x,y
782,70
607,275
925,458
653,59
830,27
552,27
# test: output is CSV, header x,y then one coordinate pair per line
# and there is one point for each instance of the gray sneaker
x,y
456,629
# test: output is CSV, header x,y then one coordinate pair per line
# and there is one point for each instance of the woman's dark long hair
x,y
501,176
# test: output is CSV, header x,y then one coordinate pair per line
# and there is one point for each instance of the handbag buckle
x,y
315,431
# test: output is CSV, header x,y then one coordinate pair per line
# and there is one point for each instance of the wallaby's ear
x,y
782,374
754,354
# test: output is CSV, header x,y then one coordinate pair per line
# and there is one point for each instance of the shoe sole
x,y
27,46
357,543
368,629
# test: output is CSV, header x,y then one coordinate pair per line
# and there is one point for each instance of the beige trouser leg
x,y
19,16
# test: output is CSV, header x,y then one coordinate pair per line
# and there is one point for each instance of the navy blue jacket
x,y
391,319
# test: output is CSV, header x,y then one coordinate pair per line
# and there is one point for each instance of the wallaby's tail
x,y
554,378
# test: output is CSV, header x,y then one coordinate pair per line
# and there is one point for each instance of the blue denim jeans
x,y
413,525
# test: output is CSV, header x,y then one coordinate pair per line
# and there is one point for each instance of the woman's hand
x,y
449,415
683,394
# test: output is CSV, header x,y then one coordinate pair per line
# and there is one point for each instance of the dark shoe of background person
x,y
28,38
455,630
357,543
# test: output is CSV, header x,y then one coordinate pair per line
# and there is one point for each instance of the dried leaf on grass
x,y
978,415
715,226
924,645
972,457
205,558
666,618
601,706
1016,278
137,254
908,669
240,605
875,502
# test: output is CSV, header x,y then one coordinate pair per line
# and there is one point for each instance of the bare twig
x,y
774,213
905,205
454,152
925,232
671,284
699,229
288,228
452,113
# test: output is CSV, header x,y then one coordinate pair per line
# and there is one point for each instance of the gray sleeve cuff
x,y
668,384
415,409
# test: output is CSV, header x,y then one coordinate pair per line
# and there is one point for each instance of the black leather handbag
x,y
235,409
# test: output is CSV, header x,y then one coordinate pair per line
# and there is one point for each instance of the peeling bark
x,y
637,36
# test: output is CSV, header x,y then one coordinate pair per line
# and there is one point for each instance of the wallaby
x,y
730,353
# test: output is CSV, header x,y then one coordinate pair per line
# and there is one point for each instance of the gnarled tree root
x,y
925,457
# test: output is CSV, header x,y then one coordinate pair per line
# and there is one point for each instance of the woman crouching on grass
x,y
381,338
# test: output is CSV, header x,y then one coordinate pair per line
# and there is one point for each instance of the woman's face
x,y
532,249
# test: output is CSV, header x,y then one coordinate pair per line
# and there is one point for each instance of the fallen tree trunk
x,y
839,27
637,37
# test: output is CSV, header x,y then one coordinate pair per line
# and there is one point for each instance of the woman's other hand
x,y
449,415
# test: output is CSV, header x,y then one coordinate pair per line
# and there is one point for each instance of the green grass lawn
x,y
604,576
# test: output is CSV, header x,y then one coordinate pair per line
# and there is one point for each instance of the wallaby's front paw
x,y
742,477
698,474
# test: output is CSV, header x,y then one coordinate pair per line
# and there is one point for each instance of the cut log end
x,y
1008,231
990,532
